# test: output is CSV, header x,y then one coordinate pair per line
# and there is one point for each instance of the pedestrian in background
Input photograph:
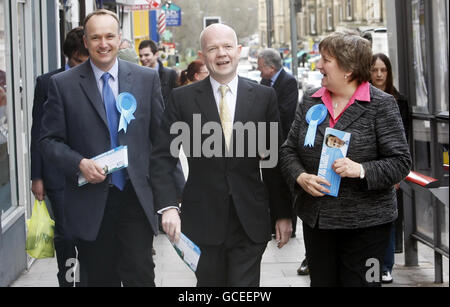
x,y
270,64
127,52
148,55
382,78
195,71
342,233
46,178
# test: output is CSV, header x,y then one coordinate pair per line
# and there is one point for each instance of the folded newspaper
x,y
188,251
110,161
335,146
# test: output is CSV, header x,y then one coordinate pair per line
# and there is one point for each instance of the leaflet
x,y
111,161
188,251
335,146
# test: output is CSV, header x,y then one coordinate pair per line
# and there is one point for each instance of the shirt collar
x,y
362,93
232,85
275,77
98,73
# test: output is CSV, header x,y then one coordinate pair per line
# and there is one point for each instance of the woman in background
x,y
382,78
195,71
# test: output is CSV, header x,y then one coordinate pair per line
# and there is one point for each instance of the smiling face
x,y
147,57
102,39
267,71
333,75
220,52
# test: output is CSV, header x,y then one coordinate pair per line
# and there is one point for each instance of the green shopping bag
x,y
40,232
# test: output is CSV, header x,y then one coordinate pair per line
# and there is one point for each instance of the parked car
x,y
313,80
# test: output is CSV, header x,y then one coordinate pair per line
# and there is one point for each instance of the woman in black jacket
x,y
346,236
382,78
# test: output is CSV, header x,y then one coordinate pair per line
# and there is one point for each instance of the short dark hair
x,y
74,43
149,43
352,53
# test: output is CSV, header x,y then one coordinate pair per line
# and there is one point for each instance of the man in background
x,y
47,180
127,52
148,55
270,64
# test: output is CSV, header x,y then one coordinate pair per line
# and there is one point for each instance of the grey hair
x,y
271,57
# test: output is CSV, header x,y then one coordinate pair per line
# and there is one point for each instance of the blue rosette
x,y
126,105
315,116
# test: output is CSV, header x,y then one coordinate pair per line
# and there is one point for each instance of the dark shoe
x,y
303,269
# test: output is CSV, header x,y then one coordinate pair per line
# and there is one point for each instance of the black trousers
x,y
64,244
122,252
346,258
234,263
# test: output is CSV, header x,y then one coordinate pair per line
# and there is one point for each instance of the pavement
x,y
278,268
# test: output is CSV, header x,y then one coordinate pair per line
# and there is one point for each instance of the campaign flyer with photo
x,y
335,146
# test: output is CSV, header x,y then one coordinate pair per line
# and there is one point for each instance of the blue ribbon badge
x,y
315,116
126,105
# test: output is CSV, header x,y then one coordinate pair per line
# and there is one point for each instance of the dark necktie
x,y
118,177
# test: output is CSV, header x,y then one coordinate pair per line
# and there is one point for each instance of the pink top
x,y
362,93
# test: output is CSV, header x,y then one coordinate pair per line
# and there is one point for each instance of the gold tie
x,y
225,117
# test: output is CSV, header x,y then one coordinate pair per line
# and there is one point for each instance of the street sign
x,y
210,20
139,5
173,15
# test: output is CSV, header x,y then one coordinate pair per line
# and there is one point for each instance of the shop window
x,y
349,9
330,25
312,23
422,151
443,145
5,186
441,54
420,59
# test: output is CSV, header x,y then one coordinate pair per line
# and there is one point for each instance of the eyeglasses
x,y
382,70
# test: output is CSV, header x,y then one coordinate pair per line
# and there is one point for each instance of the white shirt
x,y
231,95
113,81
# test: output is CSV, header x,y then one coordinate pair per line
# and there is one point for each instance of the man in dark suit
x,y
225,207
112,216
46,179
272,73
148,55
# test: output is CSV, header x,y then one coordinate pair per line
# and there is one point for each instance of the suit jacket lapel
x,y
125,85
350,115
244,101
90,88
206,102
279,79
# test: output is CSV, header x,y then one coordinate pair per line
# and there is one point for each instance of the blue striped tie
x,y
118,177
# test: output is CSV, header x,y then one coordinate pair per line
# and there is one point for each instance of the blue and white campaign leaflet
x,y
188,251
110,161
335,146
